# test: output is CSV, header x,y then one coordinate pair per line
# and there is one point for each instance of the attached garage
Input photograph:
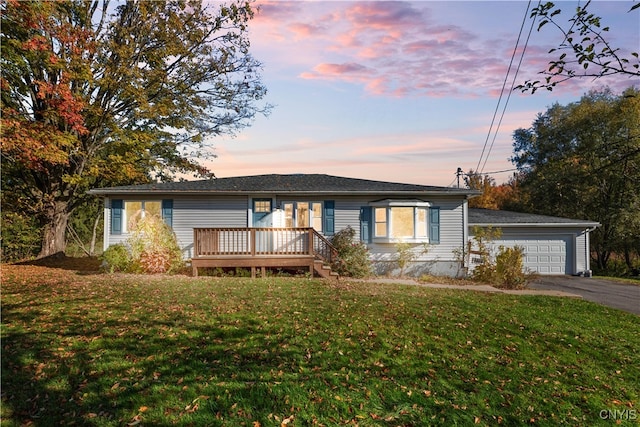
x,y
543,254
552,245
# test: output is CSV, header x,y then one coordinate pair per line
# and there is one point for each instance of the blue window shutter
x,y
116,216
167,212
434,225
365,224
329,218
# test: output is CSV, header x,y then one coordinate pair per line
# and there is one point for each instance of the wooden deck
x,y
261,248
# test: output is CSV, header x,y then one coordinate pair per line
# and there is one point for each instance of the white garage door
x,y
543,255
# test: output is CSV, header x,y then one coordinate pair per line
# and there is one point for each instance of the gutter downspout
x,y
106,223
465,233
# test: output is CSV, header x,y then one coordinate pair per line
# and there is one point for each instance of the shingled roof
x,y
487,217
292,183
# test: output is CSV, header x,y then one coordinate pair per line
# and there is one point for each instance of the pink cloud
x,y
336,69
305,30
276,11
411,55
393,17
398,49
352,72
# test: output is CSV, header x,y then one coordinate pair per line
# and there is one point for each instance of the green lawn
x,y
95,349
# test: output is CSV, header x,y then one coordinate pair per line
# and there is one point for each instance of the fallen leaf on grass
x,y
135,420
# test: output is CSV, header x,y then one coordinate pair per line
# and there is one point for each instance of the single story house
x,y
552,245
287,220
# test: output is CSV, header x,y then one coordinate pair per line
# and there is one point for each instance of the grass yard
x,y
107,350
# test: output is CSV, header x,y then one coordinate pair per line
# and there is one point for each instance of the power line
x,y
494,172
504,84
515,75
459,173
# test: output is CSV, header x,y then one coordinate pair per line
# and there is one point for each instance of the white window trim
x,y
388,204
310,206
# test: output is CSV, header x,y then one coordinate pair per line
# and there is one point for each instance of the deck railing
x,y
212,242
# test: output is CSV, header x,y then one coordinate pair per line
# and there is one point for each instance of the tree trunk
x,y
54,238
603,258
92,249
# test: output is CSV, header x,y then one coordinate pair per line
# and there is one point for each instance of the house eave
x,y
445,192
582,225
286,184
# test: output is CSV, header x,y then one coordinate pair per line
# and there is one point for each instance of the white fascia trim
x,y
538,225
401,203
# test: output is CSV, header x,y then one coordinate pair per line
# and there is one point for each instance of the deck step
x,y
325,271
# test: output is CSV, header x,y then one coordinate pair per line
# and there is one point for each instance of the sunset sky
x,y
400,91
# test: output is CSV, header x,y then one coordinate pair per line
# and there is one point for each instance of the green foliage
x,y
154,247
218,351
510,273
116,258
582,161
586,51
483,237
406,253
85,229
20,237
506,269
353,257
617,267
125,94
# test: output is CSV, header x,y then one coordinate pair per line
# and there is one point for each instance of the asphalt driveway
x,y
605,292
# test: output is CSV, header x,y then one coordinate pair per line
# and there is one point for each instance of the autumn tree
x,y
582,160
493,196
585,50
98,94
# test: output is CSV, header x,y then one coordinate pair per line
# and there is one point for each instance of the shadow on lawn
x,y
68,370
83,265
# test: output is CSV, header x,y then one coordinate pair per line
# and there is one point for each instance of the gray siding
x,y
439,259
190,212
204,212
347,213
583,257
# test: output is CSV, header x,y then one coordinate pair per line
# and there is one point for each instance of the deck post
x,y
310,242
252,237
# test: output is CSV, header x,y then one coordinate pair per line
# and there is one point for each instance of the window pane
x,y
381,222
133,212
317,216
381,229
402,222
421,226
288,215
262,206
153,208
302,214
